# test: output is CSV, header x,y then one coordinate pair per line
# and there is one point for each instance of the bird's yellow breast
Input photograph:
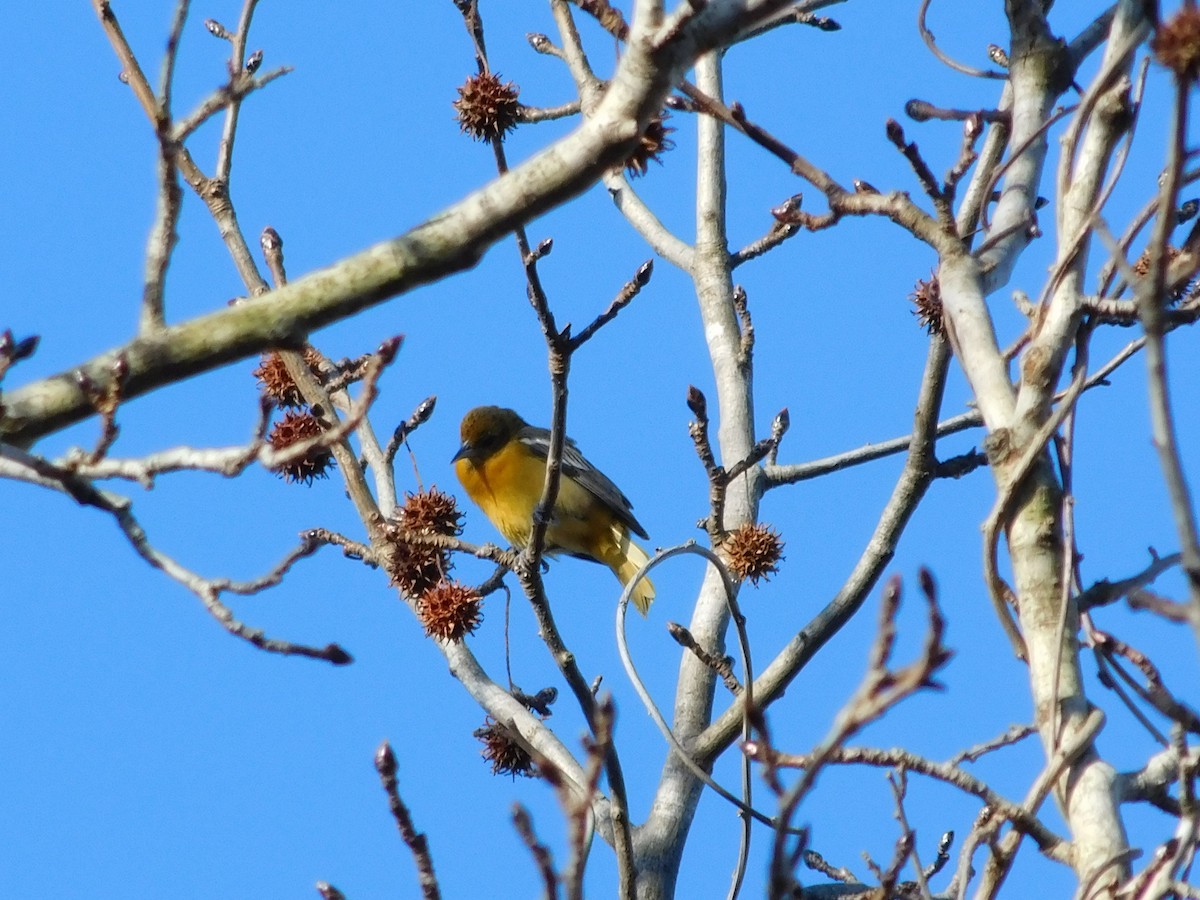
x,y
507,487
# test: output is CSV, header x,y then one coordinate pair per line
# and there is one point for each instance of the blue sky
x,y
146,753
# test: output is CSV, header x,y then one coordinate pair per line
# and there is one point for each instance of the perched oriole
x,y
502,465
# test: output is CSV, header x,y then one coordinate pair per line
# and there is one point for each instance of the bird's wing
x,y
576,467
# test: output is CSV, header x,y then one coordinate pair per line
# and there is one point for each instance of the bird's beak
x,y
466,451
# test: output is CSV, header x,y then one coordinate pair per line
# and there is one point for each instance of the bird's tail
x,y
631,559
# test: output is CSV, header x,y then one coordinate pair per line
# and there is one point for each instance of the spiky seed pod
x,y
277,383
487,108
1176,44
450,610
1142,267
415,567
652,144
430,512
754,552
501,749
927,298
293,428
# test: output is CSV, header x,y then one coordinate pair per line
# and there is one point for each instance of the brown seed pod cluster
x,y
450,610
501,749
1142,267
653,143
430,512
275,381
293,428
487,108
415,567
1176,44
754,551
927,300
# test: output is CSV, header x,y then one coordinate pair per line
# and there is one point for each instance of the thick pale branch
x,y
450,242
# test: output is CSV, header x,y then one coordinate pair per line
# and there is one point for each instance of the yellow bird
x,y
502,465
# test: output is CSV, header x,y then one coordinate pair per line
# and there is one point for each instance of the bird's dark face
x,y
485,430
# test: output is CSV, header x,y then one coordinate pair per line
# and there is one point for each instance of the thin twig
x,y
237,63
882,688
559,349
745,699
1069,748
1150,308
1051,844
1011,736
1105,592
791,473
1154,692
1106,668
928,181
240,85
539,851
776,235
910,487
722,665
533,114
163,235
898,779
385,765
923,111
624,297
931,43
579,813
38,471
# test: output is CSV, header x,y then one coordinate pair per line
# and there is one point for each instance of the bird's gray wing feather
x,y
576,466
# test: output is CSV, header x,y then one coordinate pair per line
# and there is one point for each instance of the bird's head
x,y
486,429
